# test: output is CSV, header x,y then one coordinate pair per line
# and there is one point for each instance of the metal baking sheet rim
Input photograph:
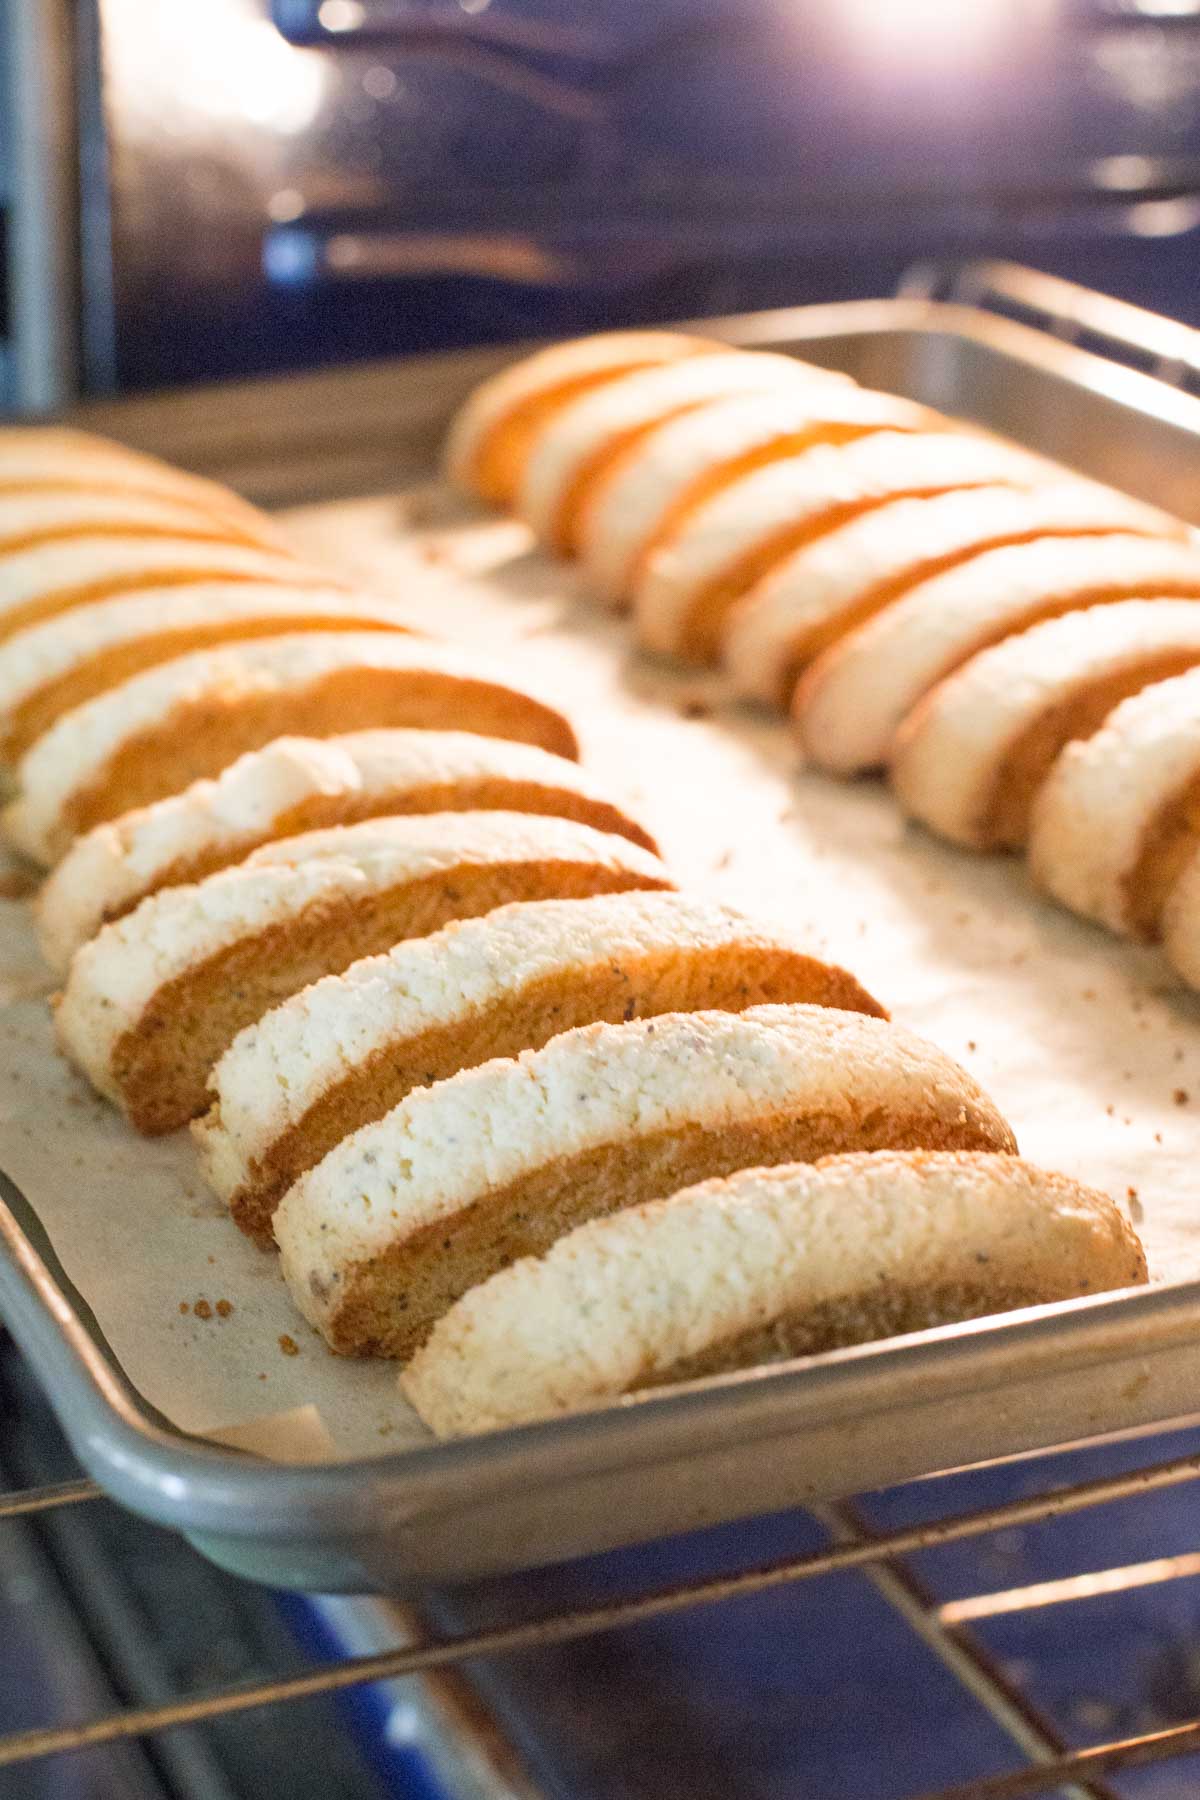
x,y
657,1464
652,1465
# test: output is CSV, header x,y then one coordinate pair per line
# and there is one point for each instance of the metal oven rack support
x,y
1050,1766
1172,354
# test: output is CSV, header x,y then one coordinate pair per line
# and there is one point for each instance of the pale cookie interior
x,y
161,1066
387,1305
731,976
1005,807
204,736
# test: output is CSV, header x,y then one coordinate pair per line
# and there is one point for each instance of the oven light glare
x,y
934,31
1164,218
341,15
285,204
192,69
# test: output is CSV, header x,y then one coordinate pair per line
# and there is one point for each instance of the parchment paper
x,y
1088,1045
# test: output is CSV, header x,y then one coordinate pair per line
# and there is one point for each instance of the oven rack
x,y
1050,1766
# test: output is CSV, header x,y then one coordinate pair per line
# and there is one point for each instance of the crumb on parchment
x,y
203,1309
288,1345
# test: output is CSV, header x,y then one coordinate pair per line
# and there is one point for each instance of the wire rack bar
x,y
25,1746
41,1499
960,1652
1126,1753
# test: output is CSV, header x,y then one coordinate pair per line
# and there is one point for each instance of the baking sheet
x,y
1088,1045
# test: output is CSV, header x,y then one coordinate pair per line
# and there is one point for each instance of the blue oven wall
x,y
309,183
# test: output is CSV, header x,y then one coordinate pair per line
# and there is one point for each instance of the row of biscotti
x,y
908,628
763,527
140,649
158,993
342,981
412,1125
83,519
437,1135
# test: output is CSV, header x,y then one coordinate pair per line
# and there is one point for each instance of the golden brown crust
x,y
209,734
387,1306
35,714
160,1068
733,978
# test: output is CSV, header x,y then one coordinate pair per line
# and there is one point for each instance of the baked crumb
x,y
224,1308
288,1345
203,1310
971,1044
1180,1096
695,709
1137,1211
184,1307
18,885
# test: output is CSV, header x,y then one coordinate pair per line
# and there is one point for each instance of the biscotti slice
x,y
491,434
760,1267
161,730
44,457
574,453
657,482
1119,813
688,585
48,513
154,999
970,758
50,668
826,589
465,1177
346,1050
301,784
853,700
54,577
